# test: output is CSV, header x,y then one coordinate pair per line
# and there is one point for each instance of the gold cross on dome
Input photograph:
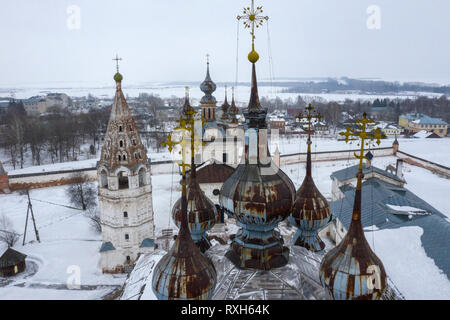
x,y
309,115
117,59
253,18
361,131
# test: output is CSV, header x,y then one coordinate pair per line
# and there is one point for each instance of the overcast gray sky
x,y
167,40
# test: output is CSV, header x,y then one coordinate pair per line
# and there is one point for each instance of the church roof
x,y
350,173
214,173
123,145
379,198
107,246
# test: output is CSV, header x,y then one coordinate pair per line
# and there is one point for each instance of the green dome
x,y
118,77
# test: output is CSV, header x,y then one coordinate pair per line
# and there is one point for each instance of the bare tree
x,y
93,214
82,193
7,233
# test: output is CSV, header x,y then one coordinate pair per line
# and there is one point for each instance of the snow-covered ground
x,y
435,150
68,243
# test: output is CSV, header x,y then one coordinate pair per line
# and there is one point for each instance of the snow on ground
x,y
412,271
435,150
67,240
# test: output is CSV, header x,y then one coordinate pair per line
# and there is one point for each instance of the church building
x,y
125,190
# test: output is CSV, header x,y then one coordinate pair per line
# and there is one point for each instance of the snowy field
x,y
168,90
68,243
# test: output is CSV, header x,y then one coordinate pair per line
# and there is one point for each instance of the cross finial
x,y
117,59
188,138
253,19
309,115
207,58
360,130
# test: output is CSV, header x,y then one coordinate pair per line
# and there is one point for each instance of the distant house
x,y
390,129
12,262
378,112
321,128
387,204
417,122
277,123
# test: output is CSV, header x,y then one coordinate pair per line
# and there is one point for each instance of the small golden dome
x,y
253,56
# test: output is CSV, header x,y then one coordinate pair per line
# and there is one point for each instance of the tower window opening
x,y
128,259
124,157
141,177
127,236
119,157
121,143
120,129
125,214
123,180
103,179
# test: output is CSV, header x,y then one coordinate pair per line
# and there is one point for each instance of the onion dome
x,y
258,195
184,273
311,211
202,213
351,270
208,87
225,107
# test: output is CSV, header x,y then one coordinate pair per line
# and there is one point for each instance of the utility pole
x,y
30,209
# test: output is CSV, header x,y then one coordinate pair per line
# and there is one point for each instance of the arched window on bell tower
x,y
103,179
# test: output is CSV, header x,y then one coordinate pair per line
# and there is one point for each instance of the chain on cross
x,y
361,131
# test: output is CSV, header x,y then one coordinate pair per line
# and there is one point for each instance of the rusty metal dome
x,y
311,211
351,270
258,195
202,214
184,273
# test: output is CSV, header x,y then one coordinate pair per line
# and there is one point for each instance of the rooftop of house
x,y
350,173
429,120
388,206
11,257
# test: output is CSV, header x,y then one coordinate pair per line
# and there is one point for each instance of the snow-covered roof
x,y
380,203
